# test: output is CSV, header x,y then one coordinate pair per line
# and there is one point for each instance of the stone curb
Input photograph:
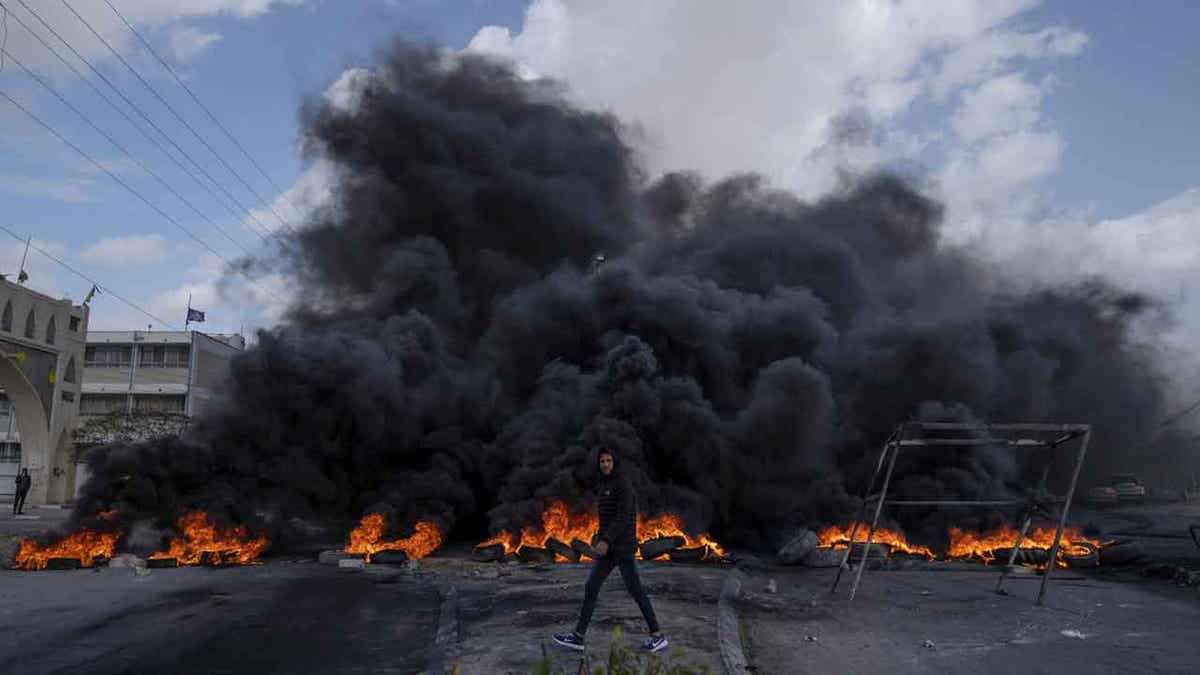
x,y
444,641
728,636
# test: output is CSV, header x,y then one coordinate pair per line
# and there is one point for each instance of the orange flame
x,y
982,546
231,545
839,537
86,545
365,539
966,545
671,525
559,523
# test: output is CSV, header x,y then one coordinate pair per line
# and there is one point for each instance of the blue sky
x,y
1056,133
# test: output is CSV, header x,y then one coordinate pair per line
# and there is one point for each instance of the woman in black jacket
x,y
615,547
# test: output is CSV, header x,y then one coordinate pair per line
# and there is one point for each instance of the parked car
x,y
1103,495
1192,494
1129,487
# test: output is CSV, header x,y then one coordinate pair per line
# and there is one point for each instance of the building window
x,y
163,356
70,374
68,396
51,330
73,324
30,325
158,404
101,404
107,356
6,321
10,452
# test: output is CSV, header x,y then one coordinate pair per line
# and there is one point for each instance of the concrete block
x,y
334,557
800,546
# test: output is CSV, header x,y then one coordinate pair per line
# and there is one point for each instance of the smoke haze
x,y
455,351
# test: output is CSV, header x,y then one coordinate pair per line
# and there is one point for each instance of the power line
x,y
149,87
120,147
205,108
135,193
121,111
103,289
141,113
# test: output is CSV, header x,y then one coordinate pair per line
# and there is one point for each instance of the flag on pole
x,y
91,294
195,315
22,277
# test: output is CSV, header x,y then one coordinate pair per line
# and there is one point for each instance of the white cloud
x,y
187,42
990,53
1016,159
312,188
756,87
124,252
345,92
67,189
1003,104
143,14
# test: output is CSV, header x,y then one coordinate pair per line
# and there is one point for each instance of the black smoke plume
x,y
496,289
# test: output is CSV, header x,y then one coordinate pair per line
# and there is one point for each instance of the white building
x,y
131,378
41,352
154,371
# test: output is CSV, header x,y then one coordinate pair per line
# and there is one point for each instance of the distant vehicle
x,y
1192,494
1103,495
1129,487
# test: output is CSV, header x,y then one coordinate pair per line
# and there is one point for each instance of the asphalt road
x,y
282,617
1102,621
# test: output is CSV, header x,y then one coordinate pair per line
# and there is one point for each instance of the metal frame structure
x,y
912,434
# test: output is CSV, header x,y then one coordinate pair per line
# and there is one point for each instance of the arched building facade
x,y
42,342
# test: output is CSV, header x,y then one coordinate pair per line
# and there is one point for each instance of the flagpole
x,y
187,320
21,274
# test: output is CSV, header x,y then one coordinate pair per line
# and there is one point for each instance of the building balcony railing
x,y
125,364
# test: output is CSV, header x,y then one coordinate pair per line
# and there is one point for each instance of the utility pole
x,y
133,359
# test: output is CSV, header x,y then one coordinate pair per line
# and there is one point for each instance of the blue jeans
x,y
633,583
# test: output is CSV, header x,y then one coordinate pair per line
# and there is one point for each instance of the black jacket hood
x,y
616,464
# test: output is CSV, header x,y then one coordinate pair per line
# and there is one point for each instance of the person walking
x,y
24,482
615,547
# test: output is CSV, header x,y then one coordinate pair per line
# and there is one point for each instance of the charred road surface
x,y
281,617
953,622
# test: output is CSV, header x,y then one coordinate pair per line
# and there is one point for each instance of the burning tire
x,y
389,557
1080,559
877,550
689,555
655,548
1123,553
533,554
824,557
583,548
491,553
561,549
1027,556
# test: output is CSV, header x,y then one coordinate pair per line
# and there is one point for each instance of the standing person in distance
x,y
24,482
